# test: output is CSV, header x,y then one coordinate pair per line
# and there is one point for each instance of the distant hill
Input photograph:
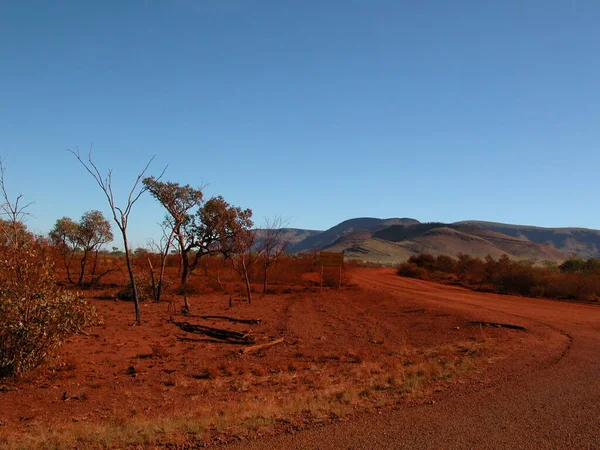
x,y
292,235
396,239
328,237
397,243
583,242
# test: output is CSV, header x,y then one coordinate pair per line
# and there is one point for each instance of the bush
x,y
191,288
577,279
143,285
445,263
424,260
36,315
411,270
573,265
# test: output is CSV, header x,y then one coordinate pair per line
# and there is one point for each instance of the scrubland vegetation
x,y
193,293
574,279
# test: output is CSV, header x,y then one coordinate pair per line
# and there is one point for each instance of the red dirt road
x,y
547,398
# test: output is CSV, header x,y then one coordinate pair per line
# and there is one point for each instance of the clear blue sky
x,y
316,111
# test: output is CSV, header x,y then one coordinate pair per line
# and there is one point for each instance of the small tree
x,y
87,236
120,215
272,245
162,248
198,228
243,255
218,228
94,231
14,232
179,201
65,237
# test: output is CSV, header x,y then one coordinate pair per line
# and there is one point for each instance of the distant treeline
x,y
574,279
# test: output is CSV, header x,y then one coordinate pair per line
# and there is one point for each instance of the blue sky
x,y
316,111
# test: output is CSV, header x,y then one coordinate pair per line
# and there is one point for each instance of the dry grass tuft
x,y
305,395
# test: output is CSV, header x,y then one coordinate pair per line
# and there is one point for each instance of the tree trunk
x,y
265,279
184,277
219,279
248,290
161,275
136,300
68,267
82,268
155,295
247,280
94,267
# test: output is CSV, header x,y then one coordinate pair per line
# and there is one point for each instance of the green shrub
x,y
573,265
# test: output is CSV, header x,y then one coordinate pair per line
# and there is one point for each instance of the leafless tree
x,y
120,215
243,256
272,245
13,213
162,248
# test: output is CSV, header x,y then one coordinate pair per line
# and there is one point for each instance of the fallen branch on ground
x,y
233,319
216,333
255,348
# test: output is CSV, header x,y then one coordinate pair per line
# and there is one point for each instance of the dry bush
x,y
289,270
424,260
576,280
411,270
36,315
331,277
144,289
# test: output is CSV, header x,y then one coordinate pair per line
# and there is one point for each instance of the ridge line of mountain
x,y
368,238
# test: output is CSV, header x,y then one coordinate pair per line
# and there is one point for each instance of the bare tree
x,y
120,215
162,248
14,214
272,245
243,256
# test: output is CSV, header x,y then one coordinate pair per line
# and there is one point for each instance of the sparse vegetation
x,y
120,214
36,315
199,228
82,239
575,279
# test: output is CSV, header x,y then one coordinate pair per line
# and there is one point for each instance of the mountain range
x,y
396,239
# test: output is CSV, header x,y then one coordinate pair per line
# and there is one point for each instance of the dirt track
x,y
548,398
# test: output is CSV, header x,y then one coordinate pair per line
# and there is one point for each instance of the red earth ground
x,y
337,363
546,396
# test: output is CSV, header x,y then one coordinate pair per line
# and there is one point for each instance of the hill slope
x,y
396,239
328,237
397,243
583,242
292,235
